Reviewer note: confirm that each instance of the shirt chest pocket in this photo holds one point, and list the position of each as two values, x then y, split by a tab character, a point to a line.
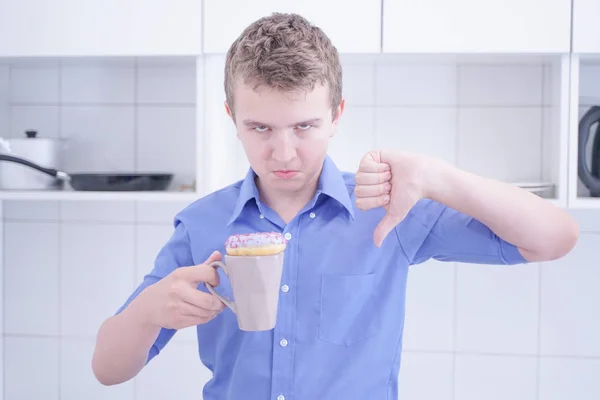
349	311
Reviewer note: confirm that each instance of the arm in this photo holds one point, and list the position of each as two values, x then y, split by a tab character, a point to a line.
126	341
537	228
479	209
129	340
123	344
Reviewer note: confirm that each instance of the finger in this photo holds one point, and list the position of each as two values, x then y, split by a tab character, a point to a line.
188	321
366	203
201	299
373	190
215	256
372	178
371	162
385	226
201	273
190	310
372	166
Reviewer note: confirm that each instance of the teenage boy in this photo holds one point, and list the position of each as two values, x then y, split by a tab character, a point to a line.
351	238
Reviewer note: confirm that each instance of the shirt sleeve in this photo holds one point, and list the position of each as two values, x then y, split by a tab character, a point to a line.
456	237
174	254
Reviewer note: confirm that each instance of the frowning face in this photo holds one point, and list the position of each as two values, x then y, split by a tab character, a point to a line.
285	135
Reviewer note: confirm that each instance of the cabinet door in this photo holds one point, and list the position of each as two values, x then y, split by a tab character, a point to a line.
586	26
477	26
354	29
100	27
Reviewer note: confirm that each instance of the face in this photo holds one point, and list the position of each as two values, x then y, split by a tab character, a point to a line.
285	135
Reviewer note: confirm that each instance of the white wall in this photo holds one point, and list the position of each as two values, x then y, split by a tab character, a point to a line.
113	114
473	332
73	264
4	98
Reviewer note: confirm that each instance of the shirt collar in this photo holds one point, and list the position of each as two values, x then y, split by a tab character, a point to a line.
331	183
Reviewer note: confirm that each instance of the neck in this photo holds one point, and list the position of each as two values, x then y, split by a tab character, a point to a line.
287	204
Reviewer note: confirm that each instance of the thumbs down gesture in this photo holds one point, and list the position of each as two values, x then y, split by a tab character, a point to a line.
392	180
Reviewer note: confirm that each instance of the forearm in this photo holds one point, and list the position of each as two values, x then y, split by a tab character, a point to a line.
122	344
540	230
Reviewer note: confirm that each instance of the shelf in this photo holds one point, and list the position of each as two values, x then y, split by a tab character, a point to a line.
557	203
111	115
585	203
40	195
501	116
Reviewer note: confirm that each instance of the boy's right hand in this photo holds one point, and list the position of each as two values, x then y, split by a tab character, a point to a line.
175	301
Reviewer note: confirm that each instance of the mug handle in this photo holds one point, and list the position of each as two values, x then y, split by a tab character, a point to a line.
211	289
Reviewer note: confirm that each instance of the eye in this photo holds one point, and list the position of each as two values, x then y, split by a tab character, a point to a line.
261	128
304	127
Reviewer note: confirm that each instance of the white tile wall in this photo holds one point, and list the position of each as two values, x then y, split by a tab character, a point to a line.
31	367
569	378
4	99
32	285
135	113
472	332
483	309
502	143
426	376
495	377
430	308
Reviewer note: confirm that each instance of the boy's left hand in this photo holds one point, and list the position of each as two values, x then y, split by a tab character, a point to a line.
392	180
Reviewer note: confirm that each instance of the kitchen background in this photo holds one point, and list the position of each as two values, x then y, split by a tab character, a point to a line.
472	331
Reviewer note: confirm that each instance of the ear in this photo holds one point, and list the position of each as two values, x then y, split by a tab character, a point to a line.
230	113
338	114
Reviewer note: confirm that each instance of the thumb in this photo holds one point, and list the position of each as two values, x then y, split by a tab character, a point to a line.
385	226
371	163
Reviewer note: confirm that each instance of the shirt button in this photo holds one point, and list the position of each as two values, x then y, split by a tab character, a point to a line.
285	288
312	215
288	236
283	343
262	216
281	397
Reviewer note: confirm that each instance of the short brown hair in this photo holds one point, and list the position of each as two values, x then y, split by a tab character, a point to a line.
284	52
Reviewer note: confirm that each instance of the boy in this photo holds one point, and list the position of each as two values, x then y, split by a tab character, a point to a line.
351	238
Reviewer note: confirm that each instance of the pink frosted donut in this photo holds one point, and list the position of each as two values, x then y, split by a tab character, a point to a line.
255	244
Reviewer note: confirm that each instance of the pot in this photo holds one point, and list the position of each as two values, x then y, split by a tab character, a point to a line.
42	151
97	181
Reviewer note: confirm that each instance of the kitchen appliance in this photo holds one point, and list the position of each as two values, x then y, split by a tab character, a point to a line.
589	123
97	181
42	151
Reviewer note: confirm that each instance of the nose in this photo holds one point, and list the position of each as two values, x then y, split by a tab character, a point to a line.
284	149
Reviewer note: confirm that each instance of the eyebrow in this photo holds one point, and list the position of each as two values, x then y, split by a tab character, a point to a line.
312	121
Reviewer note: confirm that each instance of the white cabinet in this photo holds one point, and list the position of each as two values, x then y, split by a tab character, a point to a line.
475	26
586	26
100	28
355	29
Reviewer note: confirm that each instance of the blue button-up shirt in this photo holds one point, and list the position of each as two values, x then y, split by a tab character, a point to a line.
341	304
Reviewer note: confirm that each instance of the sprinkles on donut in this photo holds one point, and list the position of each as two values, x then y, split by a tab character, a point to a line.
255	244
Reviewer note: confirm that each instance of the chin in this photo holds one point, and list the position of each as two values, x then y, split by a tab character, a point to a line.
288	184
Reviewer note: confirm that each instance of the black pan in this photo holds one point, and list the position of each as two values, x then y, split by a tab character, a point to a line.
113	182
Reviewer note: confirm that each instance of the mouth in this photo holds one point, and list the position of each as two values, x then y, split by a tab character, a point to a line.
286	173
